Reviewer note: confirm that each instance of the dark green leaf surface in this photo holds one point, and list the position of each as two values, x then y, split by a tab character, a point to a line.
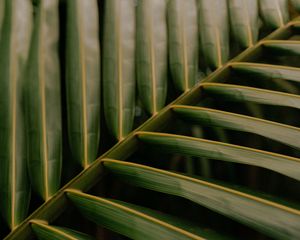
209	117
267	71
47	232
2	8
283	47
244	94
14	46
152	53
183	43
43	102
244	21
214	28
198	147
127	220
119	66
269	217
83	80
275	13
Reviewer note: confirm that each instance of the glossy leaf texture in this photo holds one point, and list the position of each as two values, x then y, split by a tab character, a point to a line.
83	79
198	147
152	53
244	94
285	134
43	100
131	221
274	219
275	13
214	31
244	21
14	47
119	66
183	43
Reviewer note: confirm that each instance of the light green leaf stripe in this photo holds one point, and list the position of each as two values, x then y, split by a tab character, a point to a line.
267	71
183	43
119	66
14	46
275	13
198	147
274	219
244	21
47	232
209	117
125	219
244	94
43	102
83	80
214	28
152	53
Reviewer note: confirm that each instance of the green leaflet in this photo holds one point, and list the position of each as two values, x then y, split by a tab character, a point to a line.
183	42
14	46
2	7
119	66
275	13
209	117
152	53
47	232
214	28
296	4
83	80
282	47
244	94
43	102
269	217
197	147
267	71
128	219
244	21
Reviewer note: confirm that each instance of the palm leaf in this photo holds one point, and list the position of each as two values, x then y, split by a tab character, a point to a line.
197	147
209	117
151	56
244	21
83	80
128	219
183	43
282	47
47	232
267	71
43	100
244	94
14	45
119	66
214	27
253	211
275	13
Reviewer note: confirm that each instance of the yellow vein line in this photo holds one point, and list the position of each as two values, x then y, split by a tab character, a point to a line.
279	13
186	72
83	85
246	12
43	105
152	60
120	73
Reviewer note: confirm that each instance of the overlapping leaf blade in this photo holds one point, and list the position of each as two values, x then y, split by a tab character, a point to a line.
280	47
183	42
83	80
119	66
209	117
244	21
14	47
275	13
43	102
214	27
129	220
198	147
48	232
269	217
152	54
